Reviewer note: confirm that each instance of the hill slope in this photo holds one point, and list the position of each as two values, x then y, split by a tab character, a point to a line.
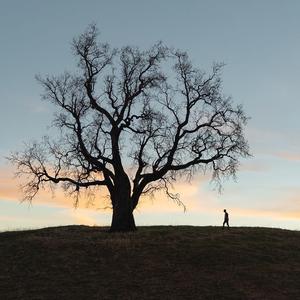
79	262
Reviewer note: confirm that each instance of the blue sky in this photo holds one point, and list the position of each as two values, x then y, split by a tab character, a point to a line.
259	41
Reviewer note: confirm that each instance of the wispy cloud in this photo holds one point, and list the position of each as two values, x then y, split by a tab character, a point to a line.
291	156
87	216
10	190
8	186
254	166
198	196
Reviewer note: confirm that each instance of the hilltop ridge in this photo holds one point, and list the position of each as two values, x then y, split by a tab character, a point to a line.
159	262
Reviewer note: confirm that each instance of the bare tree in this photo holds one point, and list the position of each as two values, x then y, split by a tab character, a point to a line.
150	112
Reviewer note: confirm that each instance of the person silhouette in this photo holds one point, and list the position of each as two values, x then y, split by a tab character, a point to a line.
226	219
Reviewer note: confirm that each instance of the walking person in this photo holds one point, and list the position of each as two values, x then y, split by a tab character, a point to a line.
226	219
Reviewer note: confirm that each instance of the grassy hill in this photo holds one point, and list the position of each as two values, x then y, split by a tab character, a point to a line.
80	262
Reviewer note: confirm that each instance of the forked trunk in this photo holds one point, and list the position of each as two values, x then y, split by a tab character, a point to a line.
122	219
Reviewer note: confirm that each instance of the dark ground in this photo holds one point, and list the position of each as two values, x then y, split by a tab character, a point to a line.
80	262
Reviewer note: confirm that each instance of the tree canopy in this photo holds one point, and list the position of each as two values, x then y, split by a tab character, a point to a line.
132	121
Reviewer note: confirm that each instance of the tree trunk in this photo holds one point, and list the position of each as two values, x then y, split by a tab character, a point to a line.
122	219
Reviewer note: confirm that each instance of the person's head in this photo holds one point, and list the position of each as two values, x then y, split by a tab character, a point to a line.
224	210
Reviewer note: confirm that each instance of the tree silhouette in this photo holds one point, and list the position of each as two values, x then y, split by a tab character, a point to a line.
133	121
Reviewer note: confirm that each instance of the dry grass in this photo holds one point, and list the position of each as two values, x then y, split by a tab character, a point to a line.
79	262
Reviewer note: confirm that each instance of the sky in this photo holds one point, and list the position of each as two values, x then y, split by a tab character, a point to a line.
259	42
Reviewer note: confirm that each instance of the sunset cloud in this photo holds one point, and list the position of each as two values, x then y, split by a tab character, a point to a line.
191	193
10	190
254	166
89	217
203	204
288	156
8	185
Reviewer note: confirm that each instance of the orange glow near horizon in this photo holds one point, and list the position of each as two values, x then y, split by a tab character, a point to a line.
195	196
